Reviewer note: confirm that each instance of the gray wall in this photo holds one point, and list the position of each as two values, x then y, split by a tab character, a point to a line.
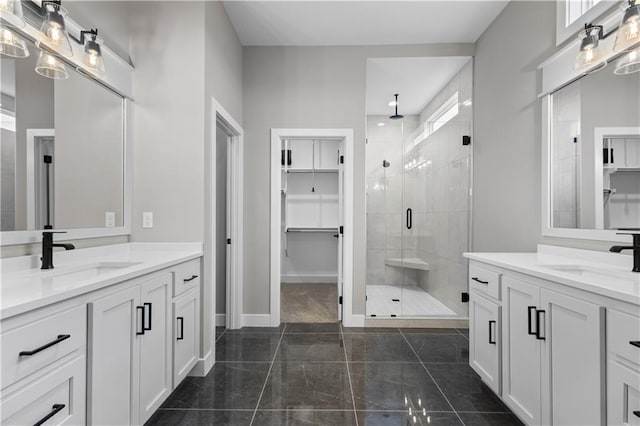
306	87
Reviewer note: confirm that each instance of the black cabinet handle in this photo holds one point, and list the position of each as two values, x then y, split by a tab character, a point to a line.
54	410
539	336
181	328
636	413
138	309
492	340
635	343
282	157
530	310
145	328
193	277
409	218
288	157
478	280
60	338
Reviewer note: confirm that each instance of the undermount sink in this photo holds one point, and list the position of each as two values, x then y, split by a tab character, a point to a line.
590	272
90	270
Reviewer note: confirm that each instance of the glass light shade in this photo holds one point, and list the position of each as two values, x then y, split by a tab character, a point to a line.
629	63
11	12
54	30
590	56
93	55
51	67
629	30
12	45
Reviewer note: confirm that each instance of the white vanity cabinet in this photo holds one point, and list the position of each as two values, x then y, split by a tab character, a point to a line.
186	323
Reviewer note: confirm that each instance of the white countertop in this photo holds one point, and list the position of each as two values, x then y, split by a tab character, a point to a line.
25	287
608	274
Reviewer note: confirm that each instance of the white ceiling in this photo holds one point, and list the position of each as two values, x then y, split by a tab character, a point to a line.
416	80
339	23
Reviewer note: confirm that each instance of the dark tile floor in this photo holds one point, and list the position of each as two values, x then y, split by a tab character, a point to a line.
325	374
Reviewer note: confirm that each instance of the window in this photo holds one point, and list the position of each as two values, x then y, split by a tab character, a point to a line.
571	15
576	8
444	114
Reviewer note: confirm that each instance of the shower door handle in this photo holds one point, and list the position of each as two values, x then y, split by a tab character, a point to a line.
409	218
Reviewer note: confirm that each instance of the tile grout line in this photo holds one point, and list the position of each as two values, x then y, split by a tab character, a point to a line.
266	380
462	334
346	358
432	378
221	334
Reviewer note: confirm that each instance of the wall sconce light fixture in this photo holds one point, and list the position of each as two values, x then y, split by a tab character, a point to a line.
92	52
54	29
629	30
11	12
590	57
51	67
12	45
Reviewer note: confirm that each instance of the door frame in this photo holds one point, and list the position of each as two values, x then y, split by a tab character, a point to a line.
277	135
234	290
33	135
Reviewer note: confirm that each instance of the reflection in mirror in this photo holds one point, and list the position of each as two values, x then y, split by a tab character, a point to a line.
62	155
595	152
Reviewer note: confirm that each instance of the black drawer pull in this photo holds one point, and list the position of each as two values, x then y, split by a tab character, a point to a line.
478	280
492	340
531	310
282	157
145	328
409	218
539	335
54	410
60	338
288	157
181	328
635	343
193	277
636	413
138	308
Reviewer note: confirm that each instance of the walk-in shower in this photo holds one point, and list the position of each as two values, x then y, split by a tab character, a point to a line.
418	194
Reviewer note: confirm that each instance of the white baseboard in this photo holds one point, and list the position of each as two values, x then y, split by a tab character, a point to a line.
309	279
221	320
203	366
353	321
256	320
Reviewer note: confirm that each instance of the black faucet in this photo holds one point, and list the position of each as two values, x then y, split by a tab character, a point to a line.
47	248
635	247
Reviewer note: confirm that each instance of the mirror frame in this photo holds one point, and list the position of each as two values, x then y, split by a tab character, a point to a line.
118	79
558	72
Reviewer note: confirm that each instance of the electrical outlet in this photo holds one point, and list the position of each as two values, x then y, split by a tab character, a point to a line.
147	219
109	219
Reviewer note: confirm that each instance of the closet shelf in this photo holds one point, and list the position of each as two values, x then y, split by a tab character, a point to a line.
310	170
312	230
408	262
623	169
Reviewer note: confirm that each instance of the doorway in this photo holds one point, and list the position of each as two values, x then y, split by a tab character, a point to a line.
311	225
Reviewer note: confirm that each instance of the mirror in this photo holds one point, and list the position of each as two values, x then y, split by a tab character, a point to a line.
595	153
62	154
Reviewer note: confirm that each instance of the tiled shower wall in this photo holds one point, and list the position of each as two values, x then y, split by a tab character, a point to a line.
434	180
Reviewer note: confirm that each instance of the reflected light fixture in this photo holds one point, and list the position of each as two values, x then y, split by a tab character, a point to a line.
629	63
629	30
11	12
590	56
92	52
381	124
12	45
51	67
396	116
53	29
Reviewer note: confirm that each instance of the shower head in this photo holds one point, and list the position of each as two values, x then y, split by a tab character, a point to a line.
385	163
396	116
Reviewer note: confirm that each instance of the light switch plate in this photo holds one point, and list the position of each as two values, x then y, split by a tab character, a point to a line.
109	219
147	219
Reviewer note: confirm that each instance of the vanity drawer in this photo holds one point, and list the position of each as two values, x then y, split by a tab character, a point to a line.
186	277
35	345
622	329
484	281
58	397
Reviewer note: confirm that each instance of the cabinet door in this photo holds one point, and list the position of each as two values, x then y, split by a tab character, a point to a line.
113	361
521	354
326	154
572	361
623	395
302	153
484	340
155	345
186	325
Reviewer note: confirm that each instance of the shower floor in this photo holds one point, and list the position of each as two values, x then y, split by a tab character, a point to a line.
388	300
